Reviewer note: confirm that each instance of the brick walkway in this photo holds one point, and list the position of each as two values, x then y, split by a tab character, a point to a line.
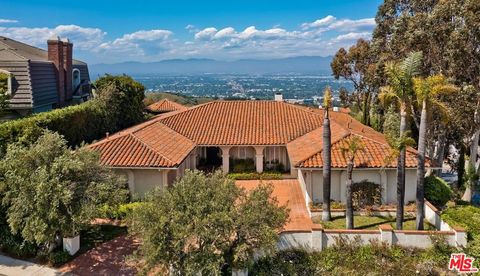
106	259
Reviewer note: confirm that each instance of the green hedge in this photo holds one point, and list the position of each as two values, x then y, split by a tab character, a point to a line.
110	112
468	217
120	212
437	191
254	176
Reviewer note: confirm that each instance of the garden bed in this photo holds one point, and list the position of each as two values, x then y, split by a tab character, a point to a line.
369	222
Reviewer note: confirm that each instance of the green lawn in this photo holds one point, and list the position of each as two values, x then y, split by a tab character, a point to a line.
369	222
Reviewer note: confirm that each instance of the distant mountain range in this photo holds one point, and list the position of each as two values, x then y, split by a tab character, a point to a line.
299	65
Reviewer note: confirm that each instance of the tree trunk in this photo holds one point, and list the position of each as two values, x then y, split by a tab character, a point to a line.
401	172
349	212
421	167
440	151
227	266
474	150
327	156
461	166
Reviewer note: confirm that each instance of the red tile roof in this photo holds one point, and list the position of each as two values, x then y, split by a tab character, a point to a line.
374	155
149	144
166	140
165	105
243	123
289	193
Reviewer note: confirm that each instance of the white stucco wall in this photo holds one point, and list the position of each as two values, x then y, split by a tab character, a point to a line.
141	181
386	178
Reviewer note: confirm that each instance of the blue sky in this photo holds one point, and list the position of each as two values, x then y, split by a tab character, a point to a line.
117	31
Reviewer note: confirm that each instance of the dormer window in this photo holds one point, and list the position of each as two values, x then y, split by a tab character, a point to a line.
5	82
76	80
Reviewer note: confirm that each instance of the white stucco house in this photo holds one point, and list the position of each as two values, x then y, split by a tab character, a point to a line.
268	133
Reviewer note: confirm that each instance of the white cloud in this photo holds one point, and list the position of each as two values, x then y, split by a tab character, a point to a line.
352	25
320	37
331	23
3	20
352	36
329	19
138	44
82	38
206	33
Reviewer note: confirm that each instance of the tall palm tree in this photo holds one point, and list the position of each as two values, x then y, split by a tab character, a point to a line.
400	88
426	91
349	152
326	154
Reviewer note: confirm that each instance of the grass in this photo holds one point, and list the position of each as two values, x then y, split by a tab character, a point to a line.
370	222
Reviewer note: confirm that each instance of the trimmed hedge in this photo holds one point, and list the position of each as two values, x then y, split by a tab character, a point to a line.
254	176
437	191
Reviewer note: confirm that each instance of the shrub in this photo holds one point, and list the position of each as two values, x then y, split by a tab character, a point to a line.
467	217
118	212
274	166
58	258
351	257
254	176
80	123
242	165
365	194
437	191
287	262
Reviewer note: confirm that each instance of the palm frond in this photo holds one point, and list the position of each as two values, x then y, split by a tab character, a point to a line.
411	65
327	97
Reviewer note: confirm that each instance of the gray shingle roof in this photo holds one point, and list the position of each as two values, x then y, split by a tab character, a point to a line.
12	50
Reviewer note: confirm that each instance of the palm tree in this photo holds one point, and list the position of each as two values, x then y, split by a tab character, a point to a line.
326	155
400	88
349	152
426	91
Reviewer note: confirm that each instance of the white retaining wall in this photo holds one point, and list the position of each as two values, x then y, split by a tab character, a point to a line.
319	238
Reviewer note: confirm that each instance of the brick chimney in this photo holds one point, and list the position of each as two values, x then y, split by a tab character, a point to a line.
55	55
67	65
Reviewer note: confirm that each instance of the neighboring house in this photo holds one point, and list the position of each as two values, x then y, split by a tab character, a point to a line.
164	106
40	80
154	153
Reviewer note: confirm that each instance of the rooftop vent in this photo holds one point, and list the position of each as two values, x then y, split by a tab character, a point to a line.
336	109
278	97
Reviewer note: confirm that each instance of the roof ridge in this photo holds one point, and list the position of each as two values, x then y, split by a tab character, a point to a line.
150	148
12	50
336	141
30	46
173	113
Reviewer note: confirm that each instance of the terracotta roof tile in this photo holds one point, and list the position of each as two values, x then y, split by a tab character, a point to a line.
168	138
289	193
375	155
152	145
165	105
243	123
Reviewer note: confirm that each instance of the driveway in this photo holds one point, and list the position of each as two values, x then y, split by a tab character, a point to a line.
14	267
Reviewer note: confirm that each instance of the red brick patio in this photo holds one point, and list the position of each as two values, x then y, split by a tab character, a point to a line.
106	259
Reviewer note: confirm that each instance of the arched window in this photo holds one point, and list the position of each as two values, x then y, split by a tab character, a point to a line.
6	82
75	78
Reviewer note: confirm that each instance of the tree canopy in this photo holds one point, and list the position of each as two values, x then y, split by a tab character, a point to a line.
49	191
206	223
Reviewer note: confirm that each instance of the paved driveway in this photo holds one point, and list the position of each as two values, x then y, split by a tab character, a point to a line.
14	267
